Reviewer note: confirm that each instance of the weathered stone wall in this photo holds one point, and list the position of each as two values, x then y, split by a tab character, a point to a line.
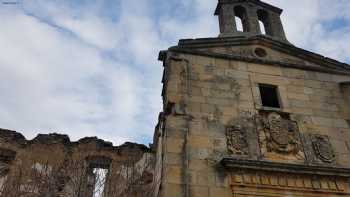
204	96
345	87
55	166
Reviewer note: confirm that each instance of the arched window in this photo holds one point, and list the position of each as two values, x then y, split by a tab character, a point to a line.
264	22
239	24
241	19
262	27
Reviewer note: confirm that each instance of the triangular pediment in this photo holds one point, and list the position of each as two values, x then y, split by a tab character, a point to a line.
263	50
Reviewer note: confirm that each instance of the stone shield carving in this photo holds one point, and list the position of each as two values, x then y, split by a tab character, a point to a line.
279	137
237	140
323	148
282	134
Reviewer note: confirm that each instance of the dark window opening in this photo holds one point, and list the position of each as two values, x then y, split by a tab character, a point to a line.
269	96
264	22
241	19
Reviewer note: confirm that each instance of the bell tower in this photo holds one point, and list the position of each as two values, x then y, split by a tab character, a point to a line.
255	16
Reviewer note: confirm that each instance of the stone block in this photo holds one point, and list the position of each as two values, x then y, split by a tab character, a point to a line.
196	91
202	61
222	64
220	191
208	108
176	133
198	164
199	153
194	107
300	97
344	160
174	145
203	178
219	144
302	111
221	178
296	82
235	74
313	84
199	142
339	146
324	77
246	95
199	191
244	82
328	122
264	69
246	105
242	66
173	174
269	79
299	103
294	73
173	190
197	99
228	111
340	123
296	89
220	101
175	122
173	159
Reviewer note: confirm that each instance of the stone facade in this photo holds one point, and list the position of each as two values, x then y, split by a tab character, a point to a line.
214	111
216	137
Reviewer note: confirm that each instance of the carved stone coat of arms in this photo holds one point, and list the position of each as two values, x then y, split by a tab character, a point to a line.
236	140
323	148
280	136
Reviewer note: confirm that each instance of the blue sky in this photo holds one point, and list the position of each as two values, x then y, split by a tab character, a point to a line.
89	67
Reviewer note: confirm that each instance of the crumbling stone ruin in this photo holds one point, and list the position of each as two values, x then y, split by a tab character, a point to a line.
52	165
245	114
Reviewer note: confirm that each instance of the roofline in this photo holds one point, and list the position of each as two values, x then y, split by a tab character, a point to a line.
265	41
189	46
257	60
258	2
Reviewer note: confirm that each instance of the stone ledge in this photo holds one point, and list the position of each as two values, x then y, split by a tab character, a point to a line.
232	163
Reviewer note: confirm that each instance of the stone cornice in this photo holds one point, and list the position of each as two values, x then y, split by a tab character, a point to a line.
327	65
260	61
232	163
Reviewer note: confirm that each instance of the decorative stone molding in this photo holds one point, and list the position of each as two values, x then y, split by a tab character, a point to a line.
263	178
288	183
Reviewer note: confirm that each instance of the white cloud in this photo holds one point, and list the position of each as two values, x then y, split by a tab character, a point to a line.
52	82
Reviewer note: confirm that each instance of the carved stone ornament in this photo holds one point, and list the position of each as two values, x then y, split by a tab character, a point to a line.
237	140
323	148
281	134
